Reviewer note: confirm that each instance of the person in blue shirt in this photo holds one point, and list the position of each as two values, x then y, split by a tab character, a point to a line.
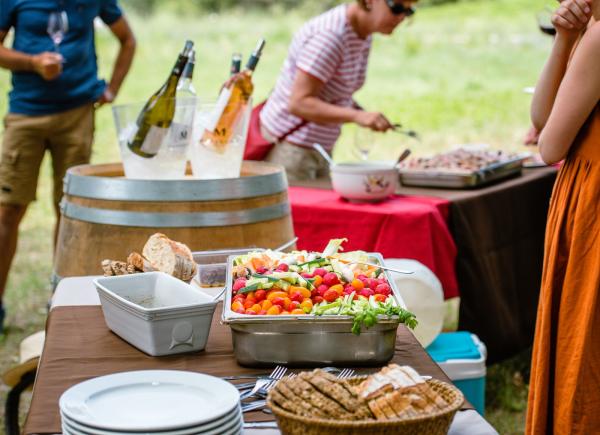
55	90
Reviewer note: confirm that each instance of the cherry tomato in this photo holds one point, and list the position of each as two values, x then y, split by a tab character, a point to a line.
318	299
274	295
331	295
318	280
306	305
274	310
241	311
383	289
278	301
240	297
372	283
250	312
330	279
338	288
283	267
366	292
262	270
262	312
348	289
306	275
286	303
380	297
236	306
294	305
358	284
320	272
239	283
322	289
297	311
296	296
260	295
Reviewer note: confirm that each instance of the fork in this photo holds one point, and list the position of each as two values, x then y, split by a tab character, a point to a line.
345	374
258	404
276	374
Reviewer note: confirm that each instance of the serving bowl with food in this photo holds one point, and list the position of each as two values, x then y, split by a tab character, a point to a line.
312	308
364	182
463	167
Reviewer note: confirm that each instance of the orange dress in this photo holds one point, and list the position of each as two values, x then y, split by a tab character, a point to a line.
564	395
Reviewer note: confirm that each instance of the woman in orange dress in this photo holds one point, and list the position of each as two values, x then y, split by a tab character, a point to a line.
564	395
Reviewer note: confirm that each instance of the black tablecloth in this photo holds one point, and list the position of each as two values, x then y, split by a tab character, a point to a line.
499	232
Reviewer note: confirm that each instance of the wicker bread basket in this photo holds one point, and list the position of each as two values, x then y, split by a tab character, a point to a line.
437	423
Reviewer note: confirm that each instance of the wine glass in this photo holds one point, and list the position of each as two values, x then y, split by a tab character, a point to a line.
364	142
58	25
544	20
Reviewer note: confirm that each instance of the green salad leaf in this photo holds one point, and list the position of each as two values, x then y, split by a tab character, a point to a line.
365	312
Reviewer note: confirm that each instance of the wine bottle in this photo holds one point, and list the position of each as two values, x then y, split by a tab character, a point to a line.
180	131
236	64
154	120
231	104
185	88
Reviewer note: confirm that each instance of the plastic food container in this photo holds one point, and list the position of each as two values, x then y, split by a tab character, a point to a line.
309	340
155	312
212	265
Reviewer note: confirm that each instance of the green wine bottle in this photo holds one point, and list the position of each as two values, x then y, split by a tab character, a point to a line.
154	120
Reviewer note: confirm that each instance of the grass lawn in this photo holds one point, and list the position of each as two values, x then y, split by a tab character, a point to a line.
455	74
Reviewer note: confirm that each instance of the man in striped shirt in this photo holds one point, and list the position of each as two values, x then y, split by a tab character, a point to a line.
326	65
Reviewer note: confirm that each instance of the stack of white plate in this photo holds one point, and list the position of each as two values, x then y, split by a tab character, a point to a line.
165	402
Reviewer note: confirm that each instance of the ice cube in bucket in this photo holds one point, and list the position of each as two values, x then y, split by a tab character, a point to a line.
208	163
170	161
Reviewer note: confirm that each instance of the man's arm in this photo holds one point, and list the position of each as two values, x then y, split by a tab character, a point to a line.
123	33
46	64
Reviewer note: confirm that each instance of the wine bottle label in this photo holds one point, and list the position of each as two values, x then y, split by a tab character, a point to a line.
179	135
154	140
222	102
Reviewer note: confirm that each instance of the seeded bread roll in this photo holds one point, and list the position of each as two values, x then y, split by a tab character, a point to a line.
106	268
171	257
137	261
119	268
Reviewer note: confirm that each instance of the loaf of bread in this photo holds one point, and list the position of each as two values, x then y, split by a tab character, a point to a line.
171	257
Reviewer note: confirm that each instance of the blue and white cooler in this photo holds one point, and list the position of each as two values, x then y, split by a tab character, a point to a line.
462	356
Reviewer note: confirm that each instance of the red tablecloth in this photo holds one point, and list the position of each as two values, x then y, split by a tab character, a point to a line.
401	227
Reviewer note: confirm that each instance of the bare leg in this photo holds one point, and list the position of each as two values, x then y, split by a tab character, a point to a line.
10	218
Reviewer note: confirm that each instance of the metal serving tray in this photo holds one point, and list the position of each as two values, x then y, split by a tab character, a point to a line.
308	340
457	180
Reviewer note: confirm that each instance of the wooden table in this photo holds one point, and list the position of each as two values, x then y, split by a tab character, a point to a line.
86	348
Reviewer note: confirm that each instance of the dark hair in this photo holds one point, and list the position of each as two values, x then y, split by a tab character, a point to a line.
363	4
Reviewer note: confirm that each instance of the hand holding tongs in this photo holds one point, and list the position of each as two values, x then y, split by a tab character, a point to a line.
397	128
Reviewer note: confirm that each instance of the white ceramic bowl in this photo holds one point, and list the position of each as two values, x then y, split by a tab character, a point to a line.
156	313
364	182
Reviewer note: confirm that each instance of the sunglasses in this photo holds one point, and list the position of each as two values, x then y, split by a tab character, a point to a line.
399	8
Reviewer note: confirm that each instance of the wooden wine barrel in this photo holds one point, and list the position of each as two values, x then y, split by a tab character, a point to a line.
104	215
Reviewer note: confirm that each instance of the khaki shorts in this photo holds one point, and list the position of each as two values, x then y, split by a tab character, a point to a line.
67	135
300	163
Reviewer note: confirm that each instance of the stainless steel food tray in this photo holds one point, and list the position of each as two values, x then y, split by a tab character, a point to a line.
308	340
456	180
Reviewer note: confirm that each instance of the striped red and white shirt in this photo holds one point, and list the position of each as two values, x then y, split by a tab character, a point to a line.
328	48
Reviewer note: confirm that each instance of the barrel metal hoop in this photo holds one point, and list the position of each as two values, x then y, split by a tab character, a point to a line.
173	220
120	189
